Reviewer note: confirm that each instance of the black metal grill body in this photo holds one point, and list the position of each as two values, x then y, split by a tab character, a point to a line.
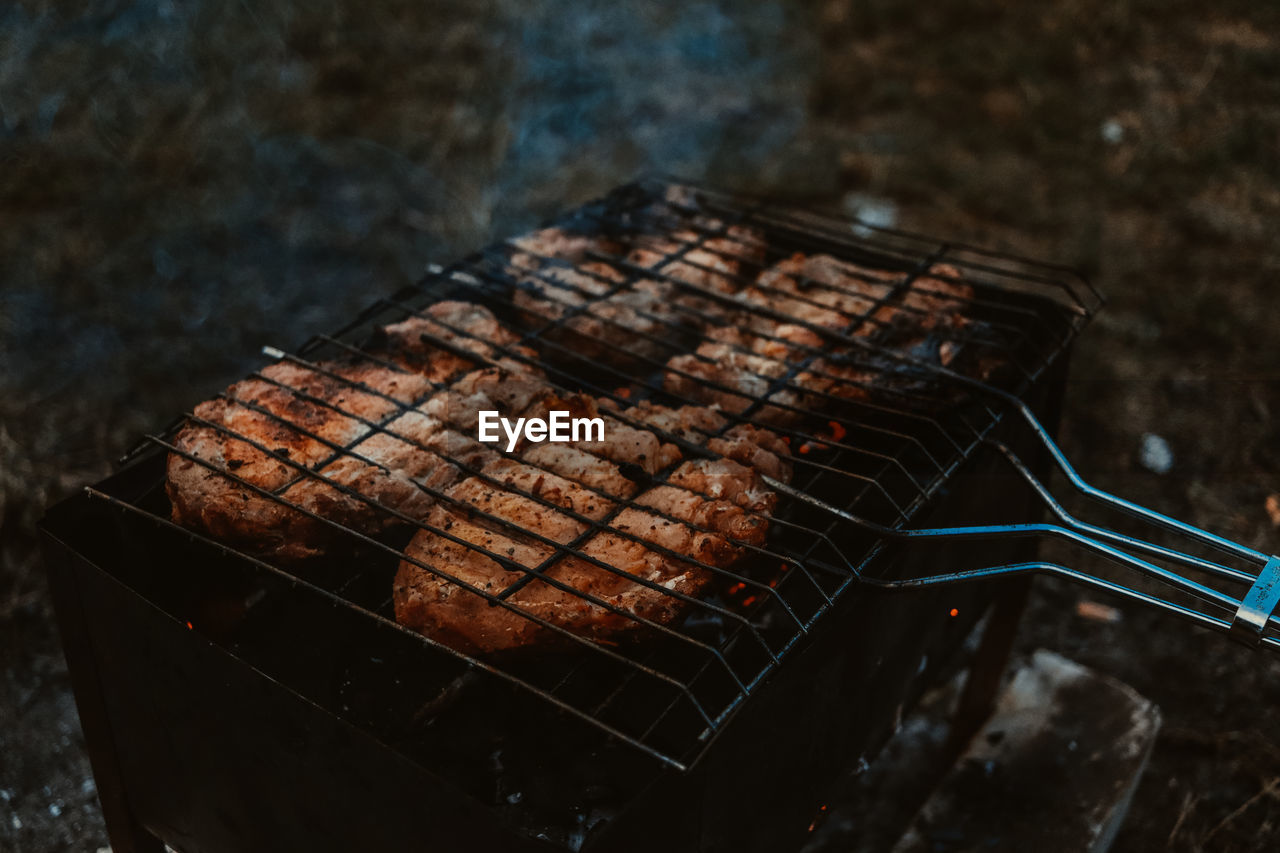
210	753
229	705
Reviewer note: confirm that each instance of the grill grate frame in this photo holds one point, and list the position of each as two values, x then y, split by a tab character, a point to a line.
910	440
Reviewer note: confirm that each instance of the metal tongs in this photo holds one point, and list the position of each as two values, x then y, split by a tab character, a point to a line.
1248	617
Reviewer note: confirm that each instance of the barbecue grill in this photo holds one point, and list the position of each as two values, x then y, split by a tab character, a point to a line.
232	702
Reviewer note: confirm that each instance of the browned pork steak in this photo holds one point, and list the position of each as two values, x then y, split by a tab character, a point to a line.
616	320
624	575
625	302
797	310
295	432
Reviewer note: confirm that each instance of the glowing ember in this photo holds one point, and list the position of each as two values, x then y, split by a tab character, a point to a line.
955	611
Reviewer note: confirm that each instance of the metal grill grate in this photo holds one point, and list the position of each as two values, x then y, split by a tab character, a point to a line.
879	437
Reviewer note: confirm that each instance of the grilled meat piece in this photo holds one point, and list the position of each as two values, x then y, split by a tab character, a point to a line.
612	320
710	258
756	448
414	454
729	481
736	369
823	291
250	432
814	377
627	319
734	380
704	512
527	396
688	423
783	358
340	419
426	344
561	285
528	478
690	245
578	465
567	245
635	568
455	614
935	300
743	443
819	290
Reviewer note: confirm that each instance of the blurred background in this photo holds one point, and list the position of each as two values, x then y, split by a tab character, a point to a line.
181	183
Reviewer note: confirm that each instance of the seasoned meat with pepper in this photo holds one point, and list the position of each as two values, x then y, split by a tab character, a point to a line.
826	292
275	431
744	443
664	543
712	258
819	290
773	379
567	245
792	352
596	313
736	381
608	583
684	243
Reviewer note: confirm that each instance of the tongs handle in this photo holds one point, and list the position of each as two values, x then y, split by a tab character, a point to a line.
1173	524
1251	614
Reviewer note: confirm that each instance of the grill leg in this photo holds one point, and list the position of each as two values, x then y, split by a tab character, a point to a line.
978	699
123	829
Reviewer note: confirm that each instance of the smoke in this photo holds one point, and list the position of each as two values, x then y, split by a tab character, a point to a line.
608	90
188	181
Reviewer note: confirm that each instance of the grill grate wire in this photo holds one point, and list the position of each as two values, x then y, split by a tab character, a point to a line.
901	441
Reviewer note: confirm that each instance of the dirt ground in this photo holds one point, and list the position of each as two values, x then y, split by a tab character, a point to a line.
183	183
